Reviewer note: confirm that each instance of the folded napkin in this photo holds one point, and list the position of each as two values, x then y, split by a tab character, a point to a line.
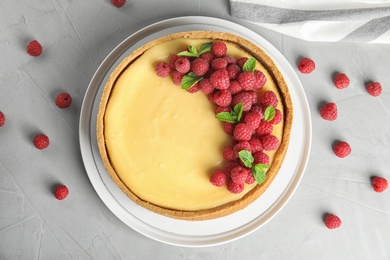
320	20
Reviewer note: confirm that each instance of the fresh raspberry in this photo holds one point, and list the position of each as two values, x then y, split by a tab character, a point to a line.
254	96
205	86
260	79
182	65
277	118
243	97
269	99
341	81
177	77
220	79
332	221
208	56
219	63
220	109
258	109
242	132
374	89
260	157
172	59
162	69
306	65
269	142
252	120
118	3
235	87
342	149
230	59
63	100
265	128
235	187
218	178
2	119
229	166
329	111
219	49
228	153
243	145
247	80
241	61
233	71
379	184
195	88
239	174
228	128
34	48
255	144
200	67
41	141
222	98
250	179
61	192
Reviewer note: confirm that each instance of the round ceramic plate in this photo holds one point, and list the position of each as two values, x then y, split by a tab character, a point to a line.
195	233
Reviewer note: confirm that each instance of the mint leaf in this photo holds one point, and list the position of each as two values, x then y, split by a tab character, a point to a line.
249	65
189	80
192	52
238	110
205	47
259	172
246	157
227	117
269	113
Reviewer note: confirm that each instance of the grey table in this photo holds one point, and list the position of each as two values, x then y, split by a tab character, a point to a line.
76	37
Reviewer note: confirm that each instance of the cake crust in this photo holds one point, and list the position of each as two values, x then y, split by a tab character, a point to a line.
253	194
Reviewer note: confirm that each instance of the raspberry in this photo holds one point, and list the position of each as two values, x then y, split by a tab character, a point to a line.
260	79
246	80
233	71
199	67
219	63
229	166
205	86
34	48
379	184
219	49
374	89
269	142
241	61
269	99
208	56
228	128
255	144
63	100
243	97
182	65
222	98
230	59
2	119
228	153
220	79
239	174
243	145
61	192
118	3
235	187
341	81
254	96
277	118
332	221
265	128
177	77
222	109
260	157
195	88
172	59
41	141
162	69
234	87
329	111
258	109
306	65
250	179
242	132
342	149
252	120
218	178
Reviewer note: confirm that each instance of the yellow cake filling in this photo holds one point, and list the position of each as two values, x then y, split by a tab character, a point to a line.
164	142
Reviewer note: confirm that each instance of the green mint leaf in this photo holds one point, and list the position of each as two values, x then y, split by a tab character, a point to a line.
249	65
269	113
227	117
246	157
192	52
189	80
205	47
238	110
259	172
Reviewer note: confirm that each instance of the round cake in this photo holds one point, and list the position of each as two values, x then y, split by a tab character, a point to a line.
190	150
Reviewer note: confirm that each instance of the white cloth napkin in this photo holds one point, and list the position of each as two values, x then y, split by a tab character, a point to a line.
320	20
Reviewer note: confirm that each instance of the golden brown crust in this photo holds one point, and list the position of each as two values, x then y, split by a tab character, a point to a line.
252	195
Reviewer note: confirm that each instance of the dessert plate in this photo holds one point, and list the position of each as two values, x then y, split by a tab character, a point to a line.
208	232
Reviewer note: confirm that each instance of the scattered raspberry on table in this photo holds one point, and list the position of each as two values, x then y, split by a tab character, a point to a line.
342	149
118	3
41	141
61	192
34	48
63	100
332	221
379	184
374	89
329	111
2	119
306	65
341	81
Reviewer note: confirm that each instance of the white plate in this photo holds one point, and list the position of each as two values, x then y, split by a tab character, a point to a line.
195	233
